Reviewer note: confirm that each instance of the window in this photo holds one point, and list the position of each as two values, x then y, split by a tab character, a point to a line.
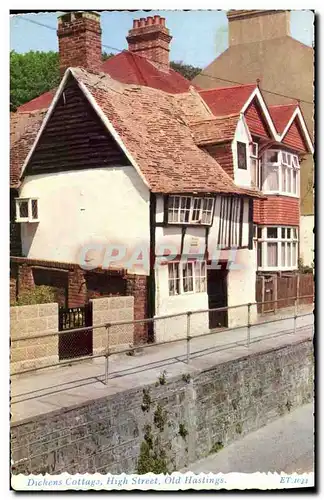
231	211
281	173
187	277
241	155
254	164
190	210
27	210
277	247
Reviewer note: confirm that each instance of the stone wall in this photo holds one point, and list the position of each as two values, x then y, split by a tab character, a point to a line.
26	322
112	309
212	407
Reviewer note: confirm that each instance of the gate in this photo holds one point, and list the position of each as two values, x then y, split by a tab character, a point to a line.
75	344
269	305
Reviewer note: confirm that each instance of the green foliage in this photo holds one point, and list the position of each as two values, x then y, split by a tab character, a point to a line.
160	418
305	269
39	295
146	400
183	431
32	74
185	70
186	377
162	378
216	447
238	428
107	55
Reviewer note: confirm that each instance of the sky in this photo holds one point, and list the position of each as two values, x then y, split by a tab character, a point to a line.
198	36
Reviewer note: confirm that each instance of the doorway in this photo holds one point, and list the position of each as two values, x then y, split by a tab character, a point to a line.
217	295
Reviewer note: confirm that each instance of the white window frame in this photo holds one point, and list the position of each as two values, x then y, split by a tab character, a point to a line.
197	276
254	156
282	166
282	241
203	206
29	217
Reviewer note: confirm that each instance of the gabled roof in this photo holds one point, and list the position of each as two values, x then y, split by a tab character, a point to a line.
224	101
127	67
148	125
215	130
281	115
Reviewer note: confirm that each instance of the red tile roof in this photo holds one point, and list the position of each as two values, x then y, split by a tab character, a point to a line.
127	67
151	126
281	115
227	100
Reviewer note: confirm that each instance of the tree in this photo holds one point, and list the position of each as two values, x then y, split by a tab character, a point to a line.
186	70
33	73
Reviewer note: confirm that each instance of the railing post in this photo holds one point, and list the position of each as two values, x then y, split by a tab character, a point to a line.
249	325
107	355
188	336
295	317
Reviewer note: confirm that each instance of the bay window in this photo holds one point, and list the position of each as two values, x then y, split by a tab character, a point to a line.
190	210
280	173
277	247
187	277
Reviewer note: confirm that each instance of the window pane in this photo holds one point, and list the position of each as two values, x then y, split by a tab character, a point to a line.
196	210
272	178
273	156
254	171
272	249
288	233
289	158
254	148
283	254
295	233
283	232
241	155
259	232
174	281
283	178
34	209
284	158
294	181
289	172
259	255
23	209
294	255
187	272
288	254
272	232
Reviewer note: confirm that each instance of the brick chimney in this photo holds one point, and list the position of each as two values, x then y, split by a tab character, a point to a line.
151	39
79	37
246	26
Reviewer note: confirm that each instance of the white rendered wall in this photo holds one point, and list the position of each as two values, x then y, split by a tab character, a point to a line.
307	243
241	177
102	206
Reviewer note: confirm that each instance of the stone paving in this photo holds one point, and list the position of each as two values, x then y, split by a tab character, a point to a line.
66	386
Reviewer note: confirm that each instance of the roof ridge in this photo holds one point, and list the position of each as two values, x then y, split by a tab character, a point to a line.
230	87
282	105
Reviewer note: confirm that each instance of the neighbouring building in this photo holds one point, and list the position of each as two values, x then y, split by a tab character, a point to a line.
154	186
261	47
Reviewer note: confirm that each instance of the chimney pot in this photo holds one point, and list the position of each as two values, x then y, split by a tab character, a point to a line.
135	23
152	41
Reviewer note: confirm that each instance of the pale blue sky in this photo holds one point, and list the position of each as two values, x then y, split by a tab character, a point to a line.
198	36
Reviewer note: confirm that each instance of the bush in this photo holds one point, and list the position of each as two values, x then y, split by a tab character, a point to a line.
39	295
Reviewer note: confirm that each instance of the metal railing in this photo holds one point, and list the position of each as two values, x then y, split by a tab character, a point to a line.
107	352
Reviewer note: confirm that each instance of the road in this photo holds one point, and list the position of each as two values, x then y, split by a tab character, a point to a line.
285	445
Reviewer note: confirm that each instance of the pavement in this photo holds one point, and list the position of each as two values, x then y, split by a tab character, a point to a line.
285	445
50	390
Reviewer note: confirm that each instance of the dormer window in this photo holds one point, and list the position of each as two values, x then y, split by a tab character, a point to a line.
190	210
27	210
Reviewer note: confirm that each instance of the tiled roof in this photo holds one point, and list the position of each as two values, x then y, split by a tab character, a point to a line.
215	130
127	67
23	131
281	115
151	125
227	100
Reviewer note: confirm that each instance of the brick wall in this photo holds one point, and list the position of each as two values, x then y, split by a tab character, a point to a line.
221	404
28	321
137	287
279	210
104	285
112	309
77	291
